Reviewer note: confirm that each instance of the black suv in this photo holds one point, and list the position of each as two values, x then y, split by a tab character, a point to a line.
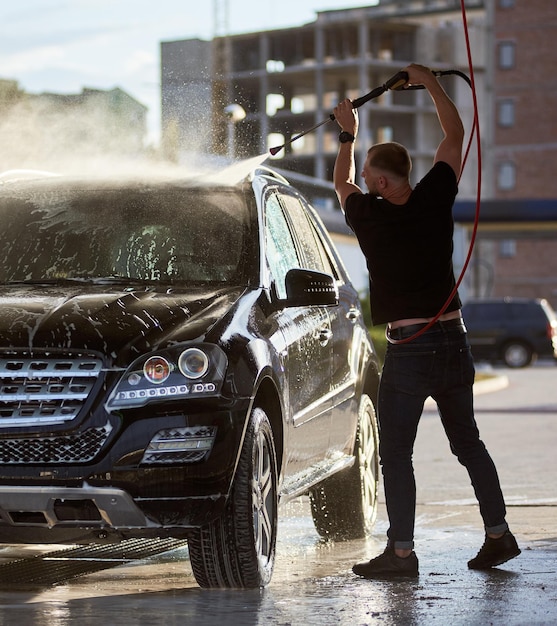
512	330
176	358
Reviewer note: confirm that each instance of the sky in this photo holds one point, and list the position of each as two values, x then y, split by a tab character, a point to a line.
61	46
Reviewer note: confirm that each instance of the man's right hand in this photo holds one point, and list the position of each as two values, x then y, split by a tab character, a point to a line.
347	117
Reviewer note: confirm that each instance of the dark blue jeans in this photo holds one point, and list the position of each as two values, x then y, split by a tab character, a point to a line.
439	364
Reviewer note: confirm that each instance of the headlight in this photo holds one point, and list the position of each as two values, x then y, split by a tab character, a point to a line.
176	373
193	363
156	369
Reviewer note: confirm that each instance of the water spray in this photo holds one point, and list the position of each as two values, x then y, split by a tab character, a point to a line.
396	83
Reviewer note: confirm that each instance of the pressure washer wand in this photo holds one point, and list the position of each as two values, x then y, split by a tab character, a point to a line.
277	149
395	82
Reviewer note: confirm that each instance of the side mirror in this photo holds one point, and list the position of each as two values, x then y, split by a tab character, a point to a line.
308	287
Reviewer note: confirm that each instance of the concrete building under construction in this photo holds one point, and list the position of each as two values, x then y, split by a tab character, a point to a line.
288	80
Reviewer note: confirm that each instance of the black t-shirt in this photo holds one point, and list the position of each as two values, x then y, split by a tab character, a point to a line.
409	247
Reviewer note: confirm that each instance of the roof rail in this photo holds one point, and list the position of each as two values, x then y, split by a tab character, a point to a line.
271	173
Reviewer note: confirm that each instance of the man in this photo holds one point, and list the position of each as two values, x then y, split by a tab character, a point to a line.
406	236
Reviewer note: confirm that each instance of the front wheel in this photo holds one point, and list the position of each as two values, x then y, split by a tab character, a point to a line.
345	505
517	354
238	549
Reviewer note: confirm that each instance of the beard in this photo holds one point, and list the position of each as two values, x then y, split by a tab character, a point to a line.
372	188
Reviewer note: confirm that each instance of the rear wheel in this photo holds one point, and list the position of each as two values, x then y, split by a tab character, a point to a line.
517	354
238	549
345	505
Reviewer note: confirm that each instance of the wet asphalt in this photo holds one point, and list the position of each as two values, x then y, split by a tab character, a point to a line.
313	583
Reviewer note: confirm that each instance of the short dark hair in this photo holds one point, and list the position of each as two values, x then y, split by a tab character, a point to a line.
392	157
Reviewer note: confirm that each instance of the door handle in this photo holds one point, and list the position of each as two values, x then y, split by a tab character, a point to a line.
324	335
353	315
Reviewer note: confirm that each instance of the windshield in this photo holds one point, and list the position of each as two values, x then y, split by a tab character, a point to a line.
163	233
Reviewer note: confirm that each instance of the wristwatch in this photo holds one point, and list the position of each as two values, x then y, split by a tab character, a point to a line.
346	137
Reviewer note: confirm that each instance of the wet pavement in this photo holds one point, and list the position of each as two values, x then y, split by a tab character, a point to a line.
313	583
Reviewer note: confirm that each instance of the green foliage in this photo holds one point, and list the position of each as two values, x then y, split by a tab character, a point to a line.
379	341
377	332
366	308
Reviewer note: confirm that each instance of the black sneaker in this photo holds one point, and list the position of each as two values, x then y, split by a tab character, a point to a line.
388	565
495	551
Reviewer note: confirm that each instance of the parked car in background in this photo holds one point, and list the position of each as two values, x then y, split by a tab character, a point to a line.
178	358
514	331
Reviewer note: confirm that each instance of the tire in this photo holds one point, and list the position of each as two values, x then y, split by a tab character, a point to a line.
517	354
238	549
345	506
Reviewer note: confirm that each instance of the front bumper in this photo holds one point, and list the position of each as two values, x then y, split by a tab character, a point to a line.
94	515
139	484
50	506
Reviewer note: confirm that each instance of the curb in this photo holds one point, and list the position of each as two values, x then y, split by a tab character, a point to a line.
493	383
488	385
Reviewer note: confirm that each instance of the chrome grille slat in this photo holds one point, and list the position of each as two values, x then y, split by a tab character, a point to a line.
40	390
45	390
46	367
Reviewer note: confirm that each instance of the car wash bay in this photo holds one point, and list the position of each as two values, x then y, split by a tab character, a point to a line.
140	583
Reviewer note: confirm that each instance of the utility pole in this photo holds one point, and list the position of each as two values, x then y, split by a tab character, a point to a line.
220	72
220	18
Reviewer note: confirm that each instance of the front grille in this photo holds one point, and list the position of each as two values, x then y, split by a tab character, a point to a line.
78	448
45	390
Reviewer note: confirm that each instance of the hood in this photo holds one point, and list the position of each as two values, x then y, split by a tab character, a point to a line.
118	324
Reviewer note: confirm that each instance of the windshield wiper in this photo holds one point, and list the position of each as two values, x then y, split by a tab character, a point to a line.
95	280
116	279
44	281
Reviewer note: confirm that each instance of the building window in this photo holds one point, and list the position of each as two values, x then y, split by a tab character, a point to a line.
507	248
506	178
275	101
507	55
506	4
273	66
505	113
385	134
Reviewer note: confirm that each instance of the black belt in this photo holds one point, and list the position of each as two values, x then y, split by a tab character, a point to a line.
407	331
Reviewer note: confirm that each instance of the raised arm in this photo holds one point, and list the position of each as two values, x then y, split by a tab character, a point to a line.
450	148
344	173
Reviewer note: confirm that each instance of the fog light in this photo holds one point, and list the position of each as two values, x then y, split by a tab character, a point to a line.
180	445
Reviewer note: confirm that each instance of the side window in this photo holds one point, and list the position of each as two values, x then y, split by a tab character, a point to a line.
529	311
315	255
281	251
494	312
